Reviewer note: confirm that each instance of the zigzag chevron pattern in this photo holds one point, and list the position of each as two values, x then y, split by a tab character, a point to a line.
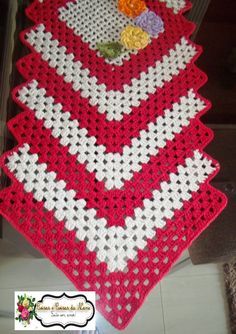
109	179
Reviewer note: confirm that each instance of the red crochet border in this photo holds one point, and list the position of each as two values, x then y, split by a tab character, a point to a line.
46	250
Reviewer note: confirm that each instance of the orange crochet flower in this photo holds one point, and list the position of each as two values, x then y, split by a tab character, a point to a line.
132	8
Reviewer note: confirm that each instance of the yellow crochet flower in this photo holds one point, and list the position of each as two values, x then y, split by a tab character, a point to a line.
134	38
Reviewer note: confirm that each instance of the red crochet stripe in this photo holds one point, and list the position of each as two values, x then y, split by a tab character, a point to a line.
117	133
112	77
31	223
114	203
48	235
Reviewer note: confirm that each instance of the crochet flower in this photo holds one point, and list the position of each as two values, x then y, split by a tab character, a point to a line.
150	22
132	8
134	38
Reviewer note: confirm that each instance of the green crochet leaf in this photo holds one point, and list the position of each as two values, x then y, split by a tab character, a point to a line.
110	50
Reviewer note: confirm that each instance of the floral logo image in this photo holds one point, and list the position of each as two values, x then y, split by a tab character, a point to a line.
25	309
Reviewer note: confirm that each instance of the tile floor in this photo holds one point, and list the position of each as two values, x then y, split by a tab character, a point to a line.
189	300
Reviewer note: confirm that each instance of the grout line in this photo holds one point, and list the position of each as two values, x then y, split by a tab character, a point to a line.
162	307
181	262
180	265
173	276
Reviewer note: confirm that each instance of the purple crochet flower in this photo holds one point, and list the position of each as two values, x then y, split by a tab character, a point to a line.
150	22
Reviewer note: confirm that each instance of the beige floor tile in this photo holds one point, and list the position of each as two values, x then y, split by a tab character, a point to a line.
29	272
189	269
184	267
194	304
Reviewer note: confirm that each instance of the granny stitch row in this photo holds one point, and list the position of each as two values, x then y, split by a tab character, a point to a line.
114	103
116	244
109	178
112	168
96	22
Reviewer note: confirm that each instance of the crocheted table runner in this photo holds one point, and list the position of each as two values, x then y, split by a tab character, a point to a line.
109	178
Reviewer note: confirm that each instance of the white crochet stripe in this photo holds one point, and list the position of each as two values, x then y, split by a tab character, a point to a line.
116	244
175	5
111	102
96	21
112	168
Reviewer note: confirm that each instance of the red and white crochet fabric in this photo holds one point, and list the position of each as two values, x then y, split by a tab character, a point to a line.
109	179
